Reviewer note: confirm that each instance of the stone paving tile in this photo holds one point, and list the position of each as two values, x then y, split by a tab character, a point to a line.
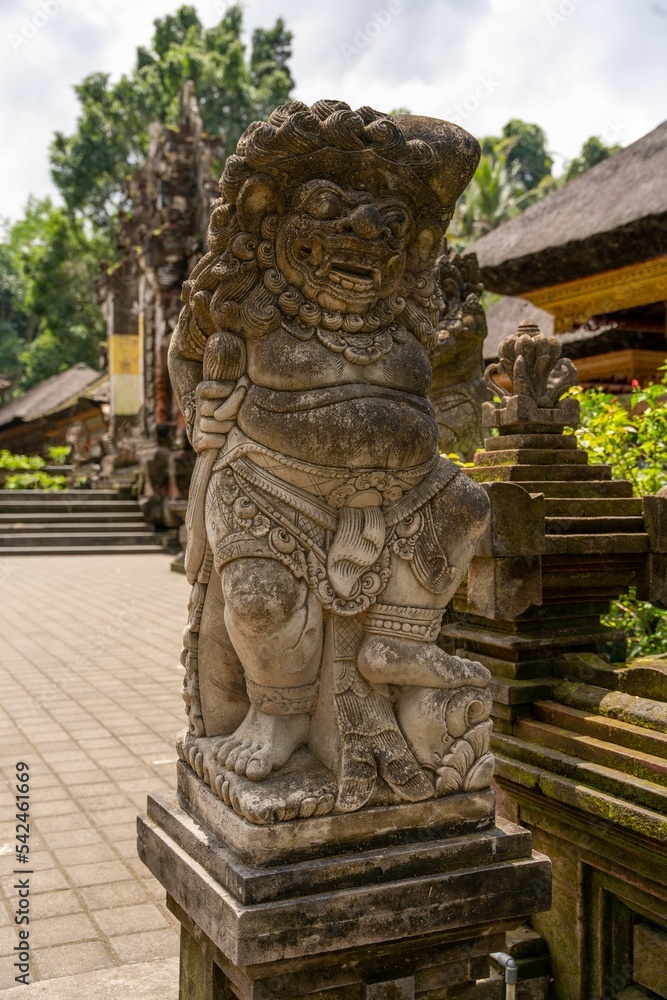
89	669
82	956
146	945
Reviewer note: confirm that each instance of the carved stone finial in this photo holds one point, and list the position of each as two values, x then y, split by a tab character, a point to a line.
530	377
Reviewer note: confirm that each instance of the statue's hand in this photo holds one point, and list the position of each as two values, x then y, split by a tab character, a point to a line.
217	406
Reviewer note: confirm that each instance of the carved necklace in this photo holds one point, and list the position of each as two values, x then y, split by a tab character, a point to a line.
357	348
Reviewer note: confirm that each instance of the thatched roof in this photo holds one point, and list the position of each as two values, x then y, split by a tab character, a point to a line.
612	215
48	396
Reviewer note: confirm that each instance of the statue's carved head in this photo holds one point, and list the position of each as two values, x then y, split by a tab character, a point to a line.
329	218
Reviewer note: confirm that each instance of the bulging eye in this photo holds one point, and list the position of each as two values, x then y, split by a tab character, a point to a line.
324	205
396	221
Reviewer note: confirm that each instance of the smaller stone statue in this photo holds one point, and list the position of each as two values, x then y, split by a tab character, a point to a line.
458	389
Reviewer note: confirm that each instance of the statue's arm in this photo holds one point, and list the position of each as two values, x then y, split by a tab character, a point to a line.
205	373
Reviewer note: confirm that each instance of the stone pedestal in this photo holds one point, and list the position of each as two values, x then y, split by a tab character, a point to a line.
391	903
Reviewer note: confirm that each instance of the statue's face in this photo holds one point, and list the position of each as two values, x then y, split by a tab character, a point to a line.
344	249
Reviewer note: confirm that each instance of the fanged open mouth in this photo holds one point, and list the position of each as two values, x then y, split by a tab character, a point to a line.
349	275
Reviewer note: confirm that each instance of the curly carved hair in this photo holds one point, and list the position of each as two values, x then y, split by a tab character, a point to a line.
237	286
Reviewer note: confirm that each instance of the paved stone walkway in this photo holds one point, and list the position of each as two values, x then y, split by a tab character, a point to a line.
90	699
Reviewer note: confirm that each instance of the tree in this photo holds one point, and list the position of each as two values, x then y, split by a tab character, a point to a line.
48	265
593	151
90	166
524	147
491	198
14	322
514	172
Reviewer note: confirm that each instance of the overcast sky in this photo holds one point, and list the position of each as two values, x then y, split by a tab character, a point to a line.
577	67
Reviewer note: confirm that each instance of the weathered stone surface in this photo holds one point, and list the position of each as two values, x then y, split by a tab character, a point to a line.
612	730
516	525
333	835
318	588
396	989
273	843
504	587
655	518
458	388
419	854
334	918
650	958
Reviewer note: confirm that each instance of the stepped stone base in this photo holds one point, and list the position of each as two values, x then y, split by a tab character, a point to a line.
362	918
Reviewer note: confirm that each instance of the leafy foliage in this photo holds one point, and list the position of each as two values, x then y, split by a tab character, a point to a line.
631	441
27	472
593	151
524	145
35	481
11	461
514	172
90	166
491	198
646	626
48	265
58	453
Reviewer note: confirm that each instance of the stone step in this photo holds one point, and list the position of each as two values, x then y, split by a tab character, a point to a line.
530	456
30	495
75	527
637	763
614	507
610	730
80	550
551	442
66	517
578	797
605	779
39	505
618	705
604	490
587	525
68	540
540	474
598	545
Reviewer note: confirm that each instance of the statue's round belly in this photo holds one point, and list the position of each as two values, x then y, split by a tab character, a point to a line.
362	426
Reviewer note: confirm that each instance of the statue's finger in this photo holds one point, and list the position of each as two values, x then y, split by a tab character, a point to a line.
231	406
207	407
205	441
207	425
215	390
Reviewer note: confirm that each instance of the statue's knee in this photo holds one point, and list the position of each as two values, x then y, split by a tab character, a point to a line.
261	595
465	503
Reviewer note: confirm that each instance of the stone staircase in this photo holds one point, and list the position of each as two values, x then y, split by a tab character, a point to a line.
73	522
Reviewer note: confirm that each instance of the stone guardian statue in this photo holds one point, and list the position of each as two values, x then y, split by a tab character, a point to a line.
326	534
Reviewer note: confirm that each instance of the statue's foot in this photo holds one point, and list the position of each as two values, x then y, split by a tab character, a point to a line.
263	743
402	661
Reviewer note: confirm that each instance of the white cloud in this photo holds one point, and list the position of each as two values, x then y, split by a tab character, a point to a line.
577	67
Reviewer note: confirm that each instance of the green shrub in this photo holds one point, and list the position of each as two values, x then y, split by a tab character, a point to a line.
10	461
630	440
58	454
35	481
